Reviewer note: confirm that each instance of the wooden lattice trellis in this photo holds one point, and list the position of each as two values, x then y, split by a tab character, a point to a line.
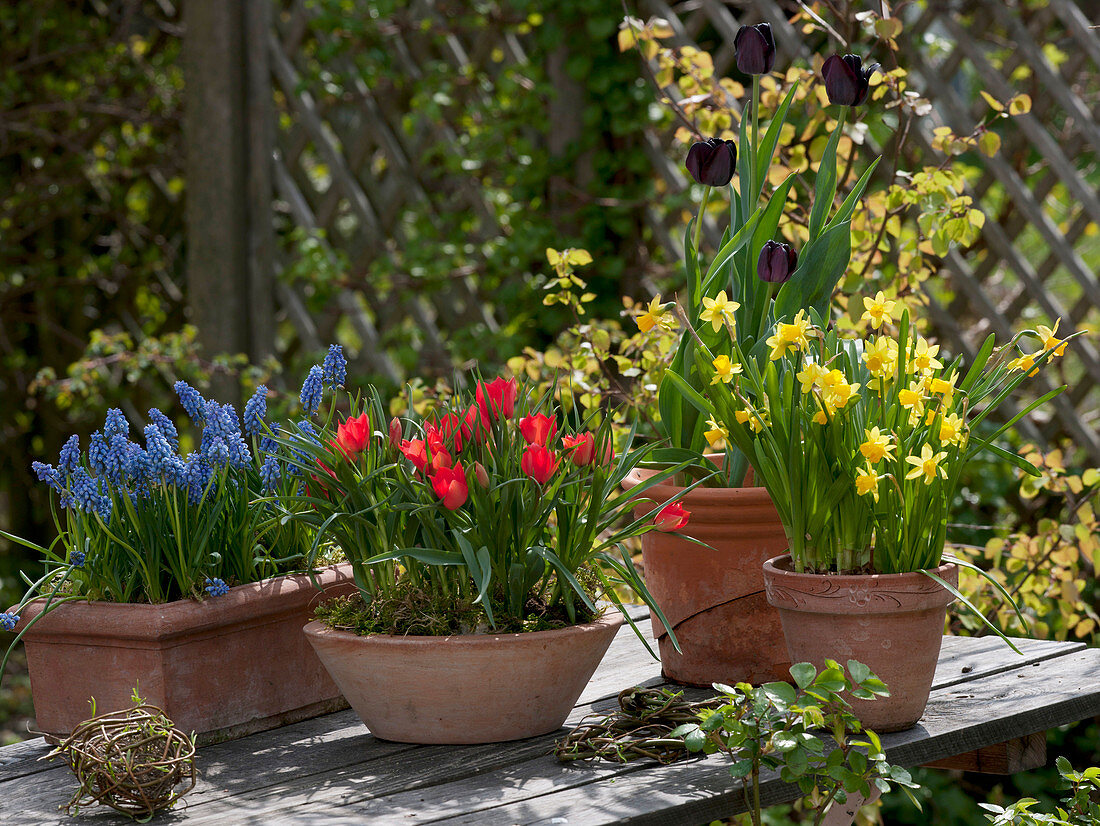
997	285
372	178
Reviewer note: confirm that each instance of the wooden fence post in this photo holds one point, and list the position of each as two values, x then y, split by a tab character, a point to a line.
228	137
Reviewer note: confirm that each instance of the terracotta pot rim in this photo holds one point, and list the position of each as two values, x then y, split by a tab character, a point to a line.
699	496
776	567
317	628
252	602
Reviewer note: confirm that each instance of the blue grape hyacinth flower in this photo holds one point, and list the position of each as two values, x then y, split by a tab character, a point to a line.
8	621
255	411
69	460
216	587
311	391
334	370
192	401
166	426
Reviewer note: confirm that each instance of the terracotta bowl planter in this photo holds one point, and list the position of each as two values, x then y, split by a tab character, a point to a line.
892	623
224	667
714	597
477	688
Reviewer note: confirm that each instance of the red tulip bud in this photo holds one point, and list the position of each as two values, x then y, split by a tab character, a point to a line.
481	474
395	433
671	517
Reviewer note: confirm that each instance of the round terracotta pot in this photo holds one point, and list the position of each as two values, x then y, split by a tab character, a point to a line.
714	597
892	623
476	688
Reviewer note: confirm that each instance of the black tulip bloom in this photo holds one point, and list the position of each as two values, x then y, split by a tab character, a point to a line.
755	49
777	263
847	80
712	162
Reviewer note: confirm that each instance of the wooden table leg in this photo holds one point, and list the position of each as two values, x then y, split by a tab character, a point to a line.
844	814
1018	755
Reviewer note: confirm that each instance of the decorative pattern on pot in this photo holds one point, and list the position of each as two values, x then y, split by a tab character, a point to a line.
892	623
714	597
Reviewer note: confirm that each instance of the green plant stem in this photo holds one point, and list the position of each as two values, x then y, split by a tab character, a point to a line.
699	219
755	142
756	757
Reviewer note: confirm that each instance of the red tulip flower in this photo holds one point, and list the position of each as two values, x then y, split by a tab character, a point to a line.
582	449
671	517
395	433
538	429
496	399
454	431
353	436
441	459
416	452
539	462
449	484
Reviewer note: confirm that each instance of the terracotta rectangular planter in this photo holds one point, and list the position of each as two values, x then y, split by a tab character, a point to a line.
224	667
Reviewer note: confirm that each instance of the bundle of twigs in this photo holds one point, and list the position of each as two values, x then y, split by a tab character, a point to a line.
132	761
638	730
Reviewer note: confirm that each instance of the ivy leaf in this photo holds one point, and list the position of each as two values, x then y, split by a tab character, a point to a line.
803	674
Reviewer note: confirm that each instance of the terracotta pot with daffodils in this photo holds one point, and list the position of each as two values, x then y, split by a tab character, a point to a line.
861	444
708	578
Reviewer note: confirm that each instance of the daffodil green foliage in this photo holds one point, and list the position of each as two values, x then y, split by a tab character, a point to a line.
778	727
729	300
861	442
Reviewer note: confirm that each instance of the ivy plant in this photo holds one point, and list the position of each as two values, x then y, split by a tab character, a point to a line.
803	731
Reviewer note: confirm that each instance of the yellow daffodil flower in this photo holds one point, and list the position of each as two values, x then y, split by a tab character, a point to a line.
1024	363
655	316
878	310
881	356
820	417
724	370
953	430
1050	340
716	433
812	374
912	397
877	447
924	358
943	387
839	394
745	417
867	482
718	311
790	336
926	465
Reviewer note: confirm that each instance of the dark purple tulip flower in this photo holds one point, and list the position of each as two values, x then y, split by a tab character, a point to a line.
777	263
755	49
712	162
847	80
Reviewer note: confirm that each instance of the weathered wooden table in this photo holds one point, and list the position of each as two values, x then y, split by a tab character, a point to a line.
988	709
